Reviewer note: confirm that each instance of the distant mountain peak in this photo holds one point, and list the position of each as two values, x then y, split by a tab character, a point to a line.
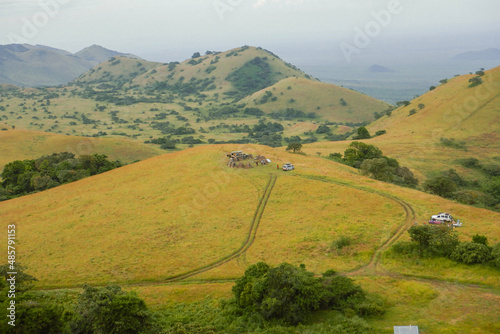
380	69
97	53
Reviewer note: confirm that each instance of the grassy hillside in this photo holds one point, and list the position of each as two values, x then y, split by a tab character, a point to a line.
453	111
333	103
216	68
22	144
187	217
119	69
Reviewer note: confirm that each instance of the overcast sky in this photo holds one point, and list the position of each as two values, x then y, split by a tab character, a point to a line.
166	30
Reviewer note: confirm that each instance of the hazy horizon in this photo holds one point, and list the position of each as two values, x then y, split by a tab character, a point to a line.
321	37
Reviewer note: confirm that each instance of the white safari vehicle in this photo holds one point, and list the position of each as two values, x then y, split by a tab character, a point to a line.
442	216
288	166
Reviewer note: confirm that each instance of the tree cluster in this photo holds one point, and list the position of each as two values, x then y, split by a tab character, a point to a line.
442	241
373	163
24	177
253	76
288	294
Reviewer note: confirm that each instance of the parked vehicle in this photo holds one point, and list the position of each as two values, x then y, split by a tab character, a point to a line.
442	216
288	166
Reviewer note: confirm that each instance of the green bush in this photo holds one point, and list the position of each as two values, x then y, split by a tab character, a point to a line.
362	133
110	310
434	240
480	239
288	294
471	252
453	143
341	242
440	185
495	255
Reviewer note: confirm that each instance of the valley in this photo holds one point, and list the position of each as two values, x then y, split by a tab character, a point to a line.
179	227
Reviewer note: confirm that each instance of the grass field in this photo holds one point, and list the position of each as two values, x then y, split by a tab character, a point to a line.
142	224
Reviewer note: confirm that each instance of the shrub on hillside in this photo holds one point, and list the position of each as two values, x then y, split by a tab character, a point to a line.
289	294
453	143
495	255
434	240
362	133
341	242
471	253
440	185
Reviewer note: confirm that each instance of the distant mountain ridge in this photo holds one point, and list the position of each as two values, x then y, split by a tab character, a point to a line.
486	54
39	65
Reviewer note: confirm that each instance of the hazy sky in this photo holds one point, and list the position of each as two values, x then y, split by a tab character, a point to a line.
172	30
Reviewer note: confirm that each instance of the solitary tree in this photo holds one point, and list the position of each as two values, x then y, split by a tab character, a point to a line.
363	133
296	147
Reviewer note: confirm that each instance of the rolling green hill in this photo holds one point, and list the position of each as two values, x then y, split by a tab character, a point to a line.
256	68
331	102
453	121
183	225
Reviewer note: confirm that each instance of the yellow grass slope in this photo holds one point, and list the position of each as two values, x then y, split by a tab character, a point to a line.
176	213
323	99
452	110
24	144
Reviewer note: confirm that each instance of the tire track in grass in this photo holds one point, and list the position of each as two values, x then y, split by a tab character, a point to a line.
252	233
250	238
409	213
